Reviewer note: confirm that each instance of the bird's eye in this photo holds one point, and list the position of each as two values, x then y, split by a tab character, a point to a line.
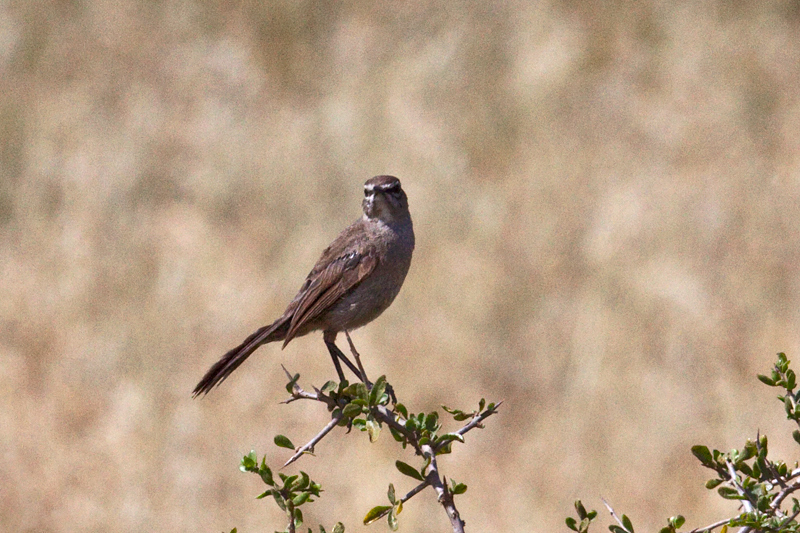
367	192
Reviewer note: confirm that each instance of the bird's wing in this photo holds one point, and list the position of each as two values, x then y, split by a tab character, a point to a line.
330	284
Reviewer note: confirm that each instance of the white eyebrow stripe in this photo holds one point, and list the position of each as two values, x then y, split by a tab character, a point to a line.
382	187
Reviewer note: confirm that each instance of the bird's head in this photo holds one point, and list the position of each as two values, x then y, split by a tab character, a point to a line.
384	199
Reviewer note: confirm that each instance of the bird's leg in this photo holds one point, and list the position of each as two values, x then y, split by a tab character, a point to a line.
331	348
357	356
336	355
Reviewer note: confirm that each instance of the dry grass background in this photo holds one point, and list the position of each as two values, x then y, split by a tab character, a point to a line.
606	197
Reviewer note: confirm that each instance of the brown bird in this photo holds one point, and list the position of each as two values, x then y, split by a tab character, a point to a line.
355	280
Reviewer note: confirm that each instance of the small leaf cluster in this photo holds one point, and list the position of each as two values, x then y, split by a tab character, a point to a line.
761	484
584	518
418	430
360	401
392	510
754	481
289	494
460	416
457	488
367	406
423	429
785	378
758	521
674	523
353	403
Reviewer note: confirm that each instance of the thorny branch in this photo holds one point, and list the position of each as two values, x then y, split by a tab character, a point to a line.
309	447
613	514
444	496
711	527
747	503
397	422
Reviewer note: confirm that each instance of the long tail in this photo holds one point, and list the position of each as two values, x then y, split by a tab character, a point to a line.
231	360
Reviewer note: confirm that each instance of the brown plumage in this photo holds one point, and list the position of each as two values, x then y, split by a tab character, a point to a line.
354	281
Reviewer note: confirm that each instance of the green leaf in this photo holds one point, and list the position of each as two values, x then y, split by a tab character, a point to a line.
249	462
279	500
409	470
301	498
395	434
375	513
338	528
264	494
703	454
447	437
266	475
352	410
392	520
481	404
357	390
391	495
373	428
400	408
289	483
329	387
304	482
458	414
745	469
432	421
626	523
766	380
728	493
677	521
459	488
292	383
713	483
571	523
580	509
377	390
283	442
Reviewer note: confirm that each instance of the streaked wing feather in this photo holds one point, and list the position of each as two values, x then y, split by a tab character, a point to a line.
330	285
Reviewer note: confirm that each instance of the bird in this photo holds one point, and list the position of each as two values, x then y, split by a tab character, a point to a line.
355	279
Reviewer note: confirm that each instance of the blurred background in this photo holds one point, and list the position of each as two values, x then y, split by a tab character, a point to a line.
606	197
